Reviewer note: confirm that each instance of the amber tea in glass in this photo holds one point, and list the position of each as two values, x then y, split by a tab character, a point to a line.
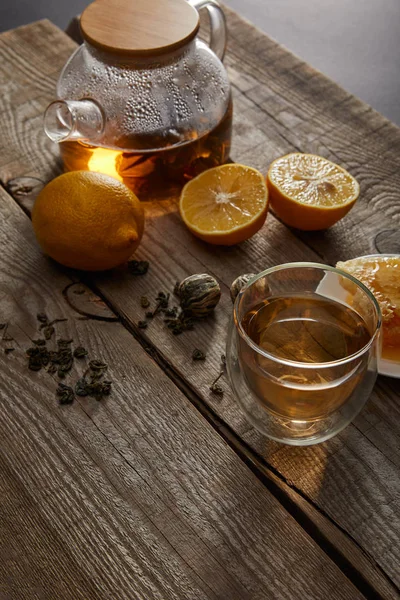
306	328
302	351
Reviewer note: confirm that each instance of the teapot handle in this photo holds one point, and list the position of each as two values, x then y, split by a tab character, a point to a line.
217	25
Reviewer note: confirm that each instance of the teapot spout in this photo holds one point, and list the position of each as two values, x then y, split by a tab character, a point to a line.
66	120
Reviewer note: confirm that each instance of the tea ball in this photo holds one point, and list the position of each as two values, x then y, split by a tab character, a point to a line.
199	294
239	283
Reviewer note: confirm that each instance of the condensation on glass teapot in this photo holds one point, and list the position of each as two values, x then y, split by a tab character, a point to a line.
144	99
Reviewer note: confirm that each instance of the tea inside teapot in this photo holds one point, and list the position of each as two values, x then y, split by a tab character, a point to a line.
144	99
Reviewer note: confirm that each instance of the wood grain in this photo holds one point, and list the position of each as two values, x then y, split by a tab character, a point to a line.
133	497
352	480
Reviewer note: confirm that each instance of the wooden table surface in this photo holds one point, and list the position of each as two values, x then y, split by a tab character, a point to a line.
164	491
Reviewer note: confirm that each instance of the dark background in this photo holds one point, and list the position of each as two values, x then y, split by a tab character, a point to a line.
355	42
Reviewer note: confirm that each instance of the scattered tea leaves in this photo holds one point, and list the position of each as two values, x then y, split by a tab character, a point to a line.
149	314
100	389
61	361
138	267
98	365
34	365
95	386
81	387
217	389
144	302
48	332
162	300
142	324
65	394
2	326
198	354
80	352
38	357
8	350
179	324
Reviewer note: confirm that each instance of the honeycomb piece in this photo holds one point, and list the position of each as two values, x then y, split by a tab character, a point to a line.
381	275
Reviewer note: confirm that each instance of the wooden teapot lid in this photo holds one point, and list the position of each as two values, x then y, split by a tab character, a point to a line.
139	27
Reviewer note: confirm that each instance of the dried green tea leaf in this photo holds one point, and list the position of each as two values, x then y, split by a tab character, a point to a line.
98	365
65	394
81	387
138	267
80	352
48	332
198	354
217	389
63	342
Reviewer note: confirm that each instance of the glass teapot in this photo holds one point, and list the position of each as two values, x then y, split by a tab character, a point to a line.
143	99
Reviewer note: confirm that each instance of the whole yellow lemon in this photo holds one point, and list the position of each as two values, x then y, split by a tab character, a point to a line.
88	221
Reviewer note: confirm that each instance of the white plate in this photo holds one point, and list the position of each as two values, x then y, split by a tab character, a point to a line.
331	288
391	368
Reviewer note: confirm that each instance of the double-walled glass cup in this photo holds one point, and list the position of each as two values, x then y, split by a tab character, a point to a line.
302	351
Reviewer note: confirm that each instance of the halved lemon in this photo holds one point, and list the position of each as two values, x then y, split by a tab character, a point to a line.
309	192
225	205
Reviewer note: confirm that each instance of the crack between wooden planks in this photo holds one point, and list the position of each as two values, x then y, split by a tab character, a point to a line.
271	478
373	444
